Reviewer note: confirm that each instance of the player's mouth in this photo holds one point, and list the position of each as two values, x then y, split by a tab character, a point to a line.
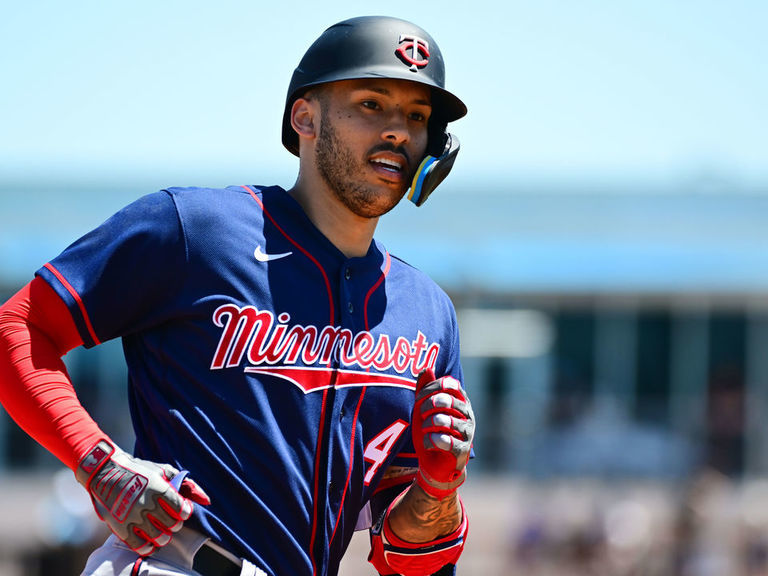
390	167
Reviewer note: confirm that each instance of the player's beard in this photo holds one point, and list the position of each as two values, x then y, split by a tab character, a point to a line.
342	173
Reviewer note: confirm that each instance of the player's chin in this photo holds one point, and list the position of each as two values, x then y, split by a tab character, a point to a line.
380	202
390	197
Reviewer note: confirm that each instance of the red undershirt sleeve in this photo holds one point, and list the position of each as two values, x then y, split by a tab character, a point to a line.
36	331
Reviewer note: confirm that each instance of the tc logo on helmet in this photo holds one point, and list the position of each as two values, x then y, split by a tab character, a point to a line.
413	51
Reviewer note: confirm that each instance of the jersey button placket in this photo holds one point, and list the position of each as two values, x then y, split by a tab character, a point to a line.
347	276
348	292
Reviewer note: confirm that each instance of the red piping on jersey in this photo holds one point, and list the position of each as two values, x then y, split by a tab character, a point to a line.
359	402
298	246
374	287
317	484
136	567
325	392
78	300
351	462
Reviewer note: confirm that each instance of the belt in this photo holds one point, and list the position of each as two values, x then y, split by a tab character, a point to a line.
210	562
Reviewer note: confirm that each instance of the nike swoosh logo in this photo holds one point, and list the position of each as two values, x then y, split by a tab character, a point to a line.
263	257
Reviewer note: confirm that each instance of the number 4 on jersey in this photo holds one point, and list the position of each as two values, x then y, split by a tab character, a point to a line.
378	449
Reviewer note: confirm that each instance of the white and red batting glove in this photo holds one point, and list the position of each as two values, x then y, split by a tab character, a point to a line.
139	500
443	427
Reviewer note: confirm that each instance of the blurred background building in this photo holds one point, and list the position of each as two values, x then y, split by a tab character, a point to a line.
615	346
603	236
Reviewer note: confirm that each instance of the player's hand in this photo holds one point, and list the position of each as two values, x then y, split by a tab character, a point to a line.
443	426
138	499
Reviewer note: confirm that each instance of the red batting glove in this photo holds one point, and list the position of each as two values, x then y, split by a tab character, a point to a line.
443	426
138	499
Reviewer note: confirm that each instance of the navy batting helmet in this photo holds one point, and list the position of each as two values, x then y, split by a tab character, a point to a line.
375	47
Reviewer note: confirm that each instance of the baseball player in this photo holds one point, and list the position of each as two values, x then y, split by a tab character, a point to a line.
290	380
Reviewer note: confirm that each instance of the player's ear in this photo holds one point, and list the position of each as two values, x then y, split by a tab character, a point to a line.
303	117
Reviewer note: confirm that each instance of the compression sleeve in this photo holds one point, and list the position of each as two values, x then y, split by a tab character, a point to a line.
36	330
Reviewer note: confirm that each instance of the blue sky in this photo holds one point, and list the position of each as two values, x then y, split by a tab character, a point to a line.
192	92
101	102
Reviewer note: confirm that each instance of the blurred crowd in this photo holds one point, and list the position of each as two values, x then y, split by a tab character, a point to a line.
708	527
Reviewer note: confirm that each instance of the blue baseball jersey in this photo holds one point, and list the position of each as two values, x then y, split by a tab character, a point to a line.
276	370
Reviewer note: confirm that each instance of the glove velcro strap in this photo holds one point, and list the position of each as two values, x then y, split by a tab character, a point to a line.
390	553
93	460
437	489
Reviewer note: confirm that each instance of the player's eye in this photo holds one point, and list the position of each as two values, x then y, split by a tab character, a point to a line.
418	117
371	105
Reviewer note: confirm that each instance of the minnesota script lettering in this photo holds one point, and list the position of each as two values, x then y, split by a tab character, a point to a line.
258	338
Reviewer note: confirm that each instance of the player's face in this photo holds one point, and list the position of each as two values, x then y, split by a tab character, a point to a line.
372	137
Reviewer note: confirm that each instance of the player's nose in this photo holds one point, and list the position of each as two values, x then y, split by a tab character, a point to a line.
396	129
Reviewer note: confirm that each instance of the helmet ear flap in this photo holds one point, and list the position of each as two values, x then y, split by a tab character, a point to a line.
436	136
433	170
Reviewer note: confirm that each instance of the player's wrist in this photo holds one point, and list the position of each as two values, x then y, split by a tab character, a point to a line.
392	552
439	490
94	459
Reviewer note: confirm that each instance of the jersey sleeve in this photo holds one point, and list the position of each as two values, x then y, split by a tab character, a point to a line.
122	276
